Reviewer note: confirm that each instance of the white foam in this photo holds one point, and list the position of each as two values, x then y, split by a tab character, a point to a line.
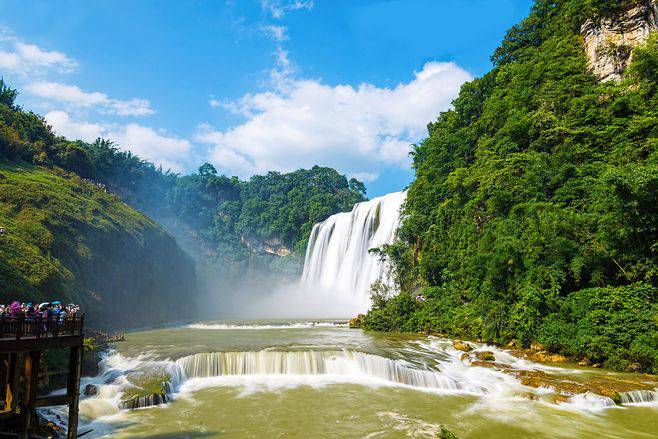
291	325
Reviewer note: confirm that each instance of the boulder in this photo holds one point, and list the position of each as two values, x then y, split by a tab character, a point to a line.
357	322
91	390
585	362
462	346
537	347
485	356
515	344
634	367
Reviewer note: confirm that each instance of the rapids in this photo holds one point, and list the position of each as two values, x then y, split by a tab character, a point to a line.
318	379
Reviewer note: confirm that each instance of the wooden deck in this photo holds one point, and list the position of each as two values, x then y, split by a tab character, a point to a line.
22	343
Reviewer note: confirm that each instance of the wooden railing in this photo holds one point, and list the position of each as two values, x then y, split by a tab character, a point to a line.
39	327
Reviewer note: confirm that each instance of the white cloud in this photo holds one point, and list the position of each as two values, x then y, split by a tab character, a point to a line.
19	57
64	126
278	8
356	130
157	146
75	96
277	33
214	102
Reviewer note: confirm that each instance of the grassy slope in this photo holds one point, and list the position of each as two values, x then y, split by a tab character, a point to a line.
66	239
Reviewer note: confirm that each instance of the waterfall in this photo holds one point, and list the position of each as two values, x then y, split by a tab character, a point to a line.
335	363
337	256
638	396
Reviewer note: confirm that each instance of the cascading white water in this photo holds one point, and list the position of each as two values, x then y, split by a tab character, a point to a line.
337	363
337	256
639	396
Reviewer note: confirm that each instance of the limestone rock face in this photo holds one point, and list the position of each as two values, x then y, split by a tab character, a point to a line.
610	41
272	246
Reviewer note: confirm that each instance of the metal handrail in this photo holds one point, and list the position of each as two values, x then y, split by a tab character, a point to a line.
39	327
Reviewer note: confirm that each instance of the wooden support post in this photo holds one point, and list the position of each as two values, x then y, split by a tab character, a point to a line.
13	380
73	389
30	377
4	371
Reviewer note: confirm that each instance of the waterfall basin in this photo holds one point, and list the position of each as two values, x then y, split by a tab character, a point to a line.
319	379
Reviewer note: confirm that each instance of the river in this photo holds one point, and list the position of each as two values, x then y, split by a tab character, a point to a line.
269	379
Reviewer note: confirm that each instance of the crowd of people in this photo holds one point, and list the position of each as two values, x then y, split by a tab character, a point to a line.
52	311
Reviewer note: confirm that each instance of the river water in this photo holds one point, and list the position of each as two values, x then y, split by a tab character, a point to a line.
269	379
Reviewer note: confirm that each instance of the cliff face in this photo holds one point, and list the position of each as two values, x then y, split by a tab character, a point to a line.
609	41
67	239
271	246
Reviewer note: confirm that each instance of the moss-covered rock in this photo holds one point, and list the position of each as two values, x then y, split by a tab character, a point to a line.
357	322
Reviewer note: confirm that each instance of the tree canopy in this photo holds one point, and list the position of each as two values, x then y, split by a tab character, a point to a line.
533	212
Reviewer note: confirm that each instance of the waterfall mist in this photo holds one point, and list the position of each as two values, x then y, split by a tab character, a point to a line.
338	269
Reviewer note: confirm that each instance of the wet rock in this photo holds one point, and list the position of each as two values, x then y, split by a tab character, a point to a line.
537	347
357	322
462	346
547	357
515	344
560	399
144	401
531	396
465	357
634	367
485	356
585	362
610	393
538	378
91	390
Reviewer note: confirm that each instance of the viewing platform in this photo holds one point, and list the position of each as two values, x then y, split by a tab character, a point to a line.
22	344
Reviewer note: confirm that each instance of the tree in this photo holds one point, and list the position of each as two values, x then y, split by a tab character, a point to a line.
7	94
207	169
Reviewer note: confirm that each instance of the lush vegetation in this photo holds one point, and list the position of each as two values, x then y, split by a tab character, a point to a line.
237	225
240	229
534	212
66	238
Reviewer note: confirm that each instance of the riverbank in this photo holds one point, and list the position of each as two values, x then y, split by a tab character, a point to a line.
618	386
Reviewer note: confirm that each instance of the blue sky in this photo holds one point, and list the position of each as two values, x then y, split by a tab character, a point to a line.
252	85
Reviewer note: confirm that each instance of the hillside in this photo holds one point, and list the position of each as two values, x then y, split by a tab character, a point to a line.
533	214
68	239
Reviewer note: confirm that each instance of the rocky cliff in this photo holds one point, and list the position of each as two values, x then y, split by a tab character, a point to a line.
609	41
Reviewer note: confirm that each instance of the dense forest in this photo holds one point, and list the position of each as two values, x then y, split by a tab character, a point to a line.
534	212
256	228
236	229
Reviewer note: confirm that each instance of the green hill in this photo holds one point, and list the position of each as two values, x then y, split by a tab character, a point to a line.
66	238
534	211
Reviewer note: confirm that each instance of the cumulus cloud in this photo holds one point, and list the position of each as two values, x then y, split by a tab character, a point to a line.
157	146
64	126
357	130
278	8
75	96
22	58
